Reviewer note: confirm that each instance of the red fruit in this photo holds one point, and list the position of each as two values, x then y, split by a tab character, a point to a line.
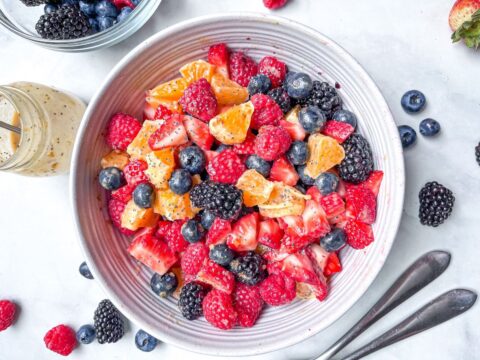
198	132
272	142
338	130
115	210
333	265
247	147
153	253
274	69
320	288
274	4
61	339
292	244
210	155
359	235
171	133
218	56
244	234
461	12
248	303
217	276
270	234
315	220
7	314
148	111
199	100
300	268
278	289
294	129
242	68
171	232
333	205
134	172
124	194
317	256
218	232
193	258
361	204
374	181
121	130
122	3
274	257
226	167
315	194
218	310
282	170
162	113
267	111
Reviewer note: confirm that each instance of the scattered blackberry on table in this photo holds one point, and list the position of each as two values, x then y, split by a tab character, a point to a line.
108	323
408	135
144	341
249	268
223	200
358	162
191	299
436	204
221	254
33	2
413	101
164	285
325	97
68	22
281	98
477	153
85	271
86	334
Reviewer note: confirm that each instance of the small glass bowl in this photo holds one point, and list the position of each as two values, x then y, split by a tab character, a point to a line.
20	21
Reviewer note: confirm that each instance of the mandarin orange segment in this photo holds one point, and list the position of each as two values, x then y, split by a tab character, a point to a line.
135	217
171	90
173	206
228	92
154	102
292	115
256	189
116	158
231	127
284	200
161	164
324	153
196	70
139	148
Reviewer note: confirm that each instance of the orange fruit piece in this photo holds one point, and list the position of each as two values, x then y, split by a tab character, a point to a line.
231	127
256	189
173	206
171	90
324	153
228	92
139	148
196	70
116	158
161	164
152	103
135	217
284	200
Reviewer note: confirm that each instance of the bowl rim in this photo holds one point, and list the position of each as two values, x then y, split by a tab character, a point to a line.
399	173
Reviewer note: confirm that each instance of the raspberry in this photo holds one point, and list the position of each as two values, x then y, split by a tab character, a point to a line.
242	68
248	303
247	147
199	100
162	113
121	131
61	339
218	310
193	258
115	210
267	111
124	194
274	69
7	314
171	232
359	235
274	4
272	142
278	289
134	172
226	167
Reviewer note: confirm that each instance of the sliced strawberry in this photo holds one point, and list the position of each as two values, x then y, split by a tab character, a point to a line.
361	204
292	225
162	113
152	252
124	194
338	130
300	268
275	256
315	220
218	232
315	194
270	233
333	205
171	133
342	188
317	255
359	235
283	171
292	244
198	132
247	147
218	56
210	155
339	220
320	288
333	265
218	277
149	111
374	181
296	131
244	234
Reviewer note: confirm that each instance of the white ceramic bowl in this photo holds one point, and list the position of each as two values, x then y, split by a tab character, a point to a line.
158	59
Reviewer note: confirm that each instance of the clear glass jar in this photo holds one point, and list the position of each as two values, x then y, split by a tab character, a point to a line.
48	120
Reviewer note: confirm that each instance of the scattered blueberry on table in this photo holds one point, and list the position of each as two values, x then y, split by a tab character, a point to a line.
413	101
408	135
429	127
85	271
86	334
145	341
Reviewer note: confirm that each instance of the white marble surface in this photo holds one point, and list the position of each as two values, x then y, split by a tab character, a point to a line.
403	44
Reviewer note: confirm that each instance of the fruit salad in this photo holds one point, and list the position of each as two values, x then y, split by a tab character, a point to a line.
240	187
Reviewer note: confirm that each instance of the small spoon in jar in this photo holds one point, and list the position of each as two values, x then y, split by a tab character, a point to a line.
9	127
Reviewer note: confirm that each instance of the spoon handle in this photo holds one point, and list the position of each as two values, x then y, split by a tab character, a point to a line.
439	310
421	273
9	127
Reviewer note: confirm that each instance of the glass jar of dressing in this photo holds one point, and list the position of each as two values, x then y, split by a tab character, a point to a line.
44	122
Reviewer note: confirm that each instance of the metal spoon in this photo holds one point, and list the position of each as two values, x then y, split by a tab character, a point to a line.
421	273
439	310
9	127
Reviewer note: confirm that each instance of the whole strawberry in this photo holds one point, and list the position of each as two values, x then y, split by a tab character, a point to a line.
242	68
61	339
7	314
272	142
227	167
121	130
464	20
218	310
199	100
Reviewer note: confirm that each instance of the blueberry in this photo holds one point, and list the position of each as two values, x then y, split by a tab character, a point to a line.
85	271
221	254
50	8
326	183
298	85
255	162
180	182
259	84
106	8
413	101
407	135
94	24
312	119
87	7
207	219
346	117
429	127
124	13
192	159
86	334
192	231
143	195
298	152
164	285
307	180
105	22
111	178
222	147
145	341
136	2
70	2
334	240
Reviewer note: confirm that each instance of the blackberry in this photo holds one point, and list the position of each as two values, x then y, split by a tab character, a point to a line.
249	268
436	204
281	98
33	2
108	323
191	299
325	97
358	162
68	22
223	200
477	153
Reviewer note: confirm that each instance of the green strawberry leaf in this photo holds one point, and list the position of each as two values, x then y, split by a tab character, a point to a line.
469	32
